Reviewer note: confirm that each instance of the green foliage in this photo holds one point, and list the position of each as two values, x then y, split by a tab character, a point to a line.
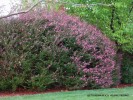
127	69
69	76
34	61
24	57
115	21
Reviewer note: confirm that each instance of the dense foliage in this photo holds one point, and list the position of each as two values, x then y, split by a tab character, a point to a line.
127	69
113	17
43	49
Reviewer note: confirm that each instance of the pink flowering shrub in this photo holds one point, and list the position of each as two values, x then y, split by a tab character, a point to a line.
97	57
53	48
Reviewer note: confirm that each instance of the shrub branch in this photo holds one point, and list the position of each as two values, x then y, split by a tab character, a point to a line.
74	4
22	12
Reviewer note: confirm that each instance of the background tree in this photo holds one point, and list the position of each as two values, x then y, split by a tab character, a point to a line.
115	20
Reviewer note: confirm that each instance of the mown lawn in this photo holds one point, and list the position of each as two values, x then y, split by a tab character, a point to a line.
108	94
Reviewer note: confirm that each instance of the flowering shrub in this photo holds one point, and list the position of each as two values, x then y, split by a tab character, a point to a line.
23	50
96	57
46	49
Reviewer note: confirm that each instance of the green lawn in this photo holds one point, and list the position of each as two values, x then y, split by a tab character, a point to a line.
80	95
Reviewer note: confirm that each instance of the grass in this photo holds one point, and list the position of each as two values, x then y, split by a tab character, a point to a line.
80	95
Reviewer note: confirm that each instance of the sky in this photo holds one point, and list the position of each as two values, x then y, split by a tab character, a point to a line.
5	6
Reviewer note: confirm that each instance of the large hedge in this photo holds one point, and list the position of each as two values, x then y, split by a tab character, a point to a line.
42	50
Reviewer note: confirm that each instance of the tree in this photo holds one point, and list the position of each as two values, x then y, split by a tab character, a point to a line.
115	20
